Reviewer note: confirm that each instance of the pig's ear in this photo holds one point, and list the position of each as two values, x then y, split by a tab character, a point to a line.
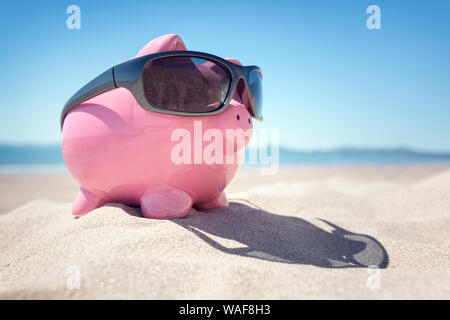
234	61
168	42
240	94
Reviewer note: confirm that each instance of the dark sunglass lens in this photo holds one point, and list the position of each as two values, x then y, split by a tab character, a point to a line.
256	92
186	84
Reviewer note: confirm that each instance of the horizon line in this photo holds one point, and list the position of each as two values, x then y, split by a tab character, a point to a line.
347	148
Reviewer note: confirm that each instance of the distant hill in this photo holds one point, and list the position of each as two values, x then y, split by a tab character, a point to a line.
359	156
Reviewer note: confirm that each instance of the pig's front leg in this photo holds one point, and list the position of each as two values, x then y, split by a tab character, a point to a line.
217	202
166	204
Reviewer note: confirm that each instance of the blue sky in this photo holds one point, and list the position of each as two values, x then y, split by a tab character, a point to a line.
328	80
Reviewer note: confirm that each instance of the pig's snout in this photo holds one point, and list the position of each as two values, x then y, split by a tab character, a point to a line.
241	114
241	125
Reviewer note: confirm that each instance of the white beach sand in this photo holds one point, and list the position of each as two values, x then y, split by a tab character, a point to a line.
306	232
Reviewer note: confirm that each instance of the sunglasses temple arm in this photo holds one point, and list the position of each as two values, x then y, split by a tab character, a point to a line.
102	83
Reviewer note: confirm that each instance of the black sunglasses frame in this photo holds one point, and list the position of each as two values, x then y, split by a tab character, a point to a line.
129	75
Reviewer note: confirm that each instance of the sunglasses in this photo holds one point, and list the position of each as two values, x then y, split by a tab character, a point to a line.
184	83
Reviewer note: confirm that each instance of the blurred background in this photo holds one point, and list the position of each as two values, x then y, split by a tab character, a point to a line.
337	91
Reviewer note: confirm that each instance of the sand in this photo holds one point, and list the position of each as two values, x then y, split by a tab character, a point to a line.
306	233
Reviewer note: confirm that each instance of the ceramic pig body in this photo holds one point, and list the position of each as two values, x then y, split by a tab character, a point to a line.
119	152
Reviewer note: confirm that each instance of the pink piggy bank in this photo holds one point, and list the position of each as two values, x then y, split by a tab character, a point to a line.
120	152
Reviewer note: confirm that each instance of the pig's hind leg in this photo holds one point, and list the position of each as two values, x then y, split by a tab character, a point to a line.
166	204
216	202
87	201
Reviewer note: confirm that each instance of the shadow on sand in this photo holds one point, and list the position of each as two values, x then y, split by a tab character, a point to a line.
272	237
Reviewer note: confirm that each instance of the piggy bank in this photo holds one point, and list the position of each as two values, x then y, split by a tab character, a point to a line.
119	152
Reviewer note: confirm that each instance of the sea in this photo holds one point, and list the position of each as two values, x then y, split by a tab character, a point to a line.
48	158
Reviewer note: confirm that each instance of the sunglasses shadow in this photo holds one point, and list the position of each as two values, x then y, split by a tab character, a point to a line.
108	116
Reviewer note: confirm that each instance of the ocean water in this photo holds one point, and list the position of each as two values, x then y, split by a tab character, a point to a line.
48	158
29	159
